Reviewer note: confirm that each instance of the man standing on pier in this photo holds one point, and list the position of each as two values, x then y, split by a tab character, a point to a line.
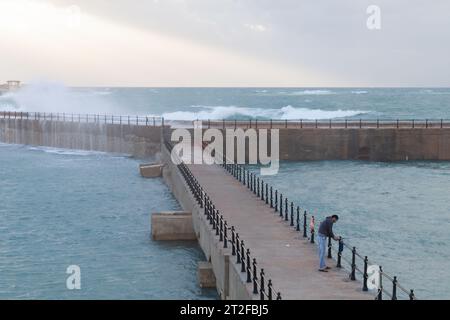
326	231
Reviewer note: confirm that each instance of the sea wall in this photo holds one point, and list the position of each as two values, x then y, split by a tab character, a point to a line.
370	144
365	144
118	138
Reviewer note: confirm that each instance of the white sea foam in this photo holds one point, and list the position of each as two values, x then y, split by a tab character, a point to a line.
72	152
102	93
318	92
288	113
359	92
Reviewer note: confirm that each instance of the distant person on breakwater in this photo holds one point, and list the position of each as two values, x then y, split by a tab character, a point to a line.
326	231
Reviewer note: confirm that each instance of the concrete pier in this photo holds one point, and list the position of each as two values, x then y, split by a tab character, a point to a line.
206	277
151	170
287	258
172	226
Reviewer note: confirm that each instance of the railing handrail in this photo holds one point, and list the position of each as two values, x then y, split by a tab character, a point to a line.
137	120
338	123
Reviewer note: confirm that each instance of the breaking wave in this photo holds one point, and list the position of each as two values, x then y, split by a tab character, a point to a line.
233	112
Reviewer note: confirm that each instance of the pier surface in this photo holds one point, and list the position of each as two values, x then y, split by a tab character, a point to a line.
287	258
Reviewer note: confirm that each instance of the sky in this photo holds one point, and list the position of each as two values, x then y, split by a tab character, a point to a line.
231	43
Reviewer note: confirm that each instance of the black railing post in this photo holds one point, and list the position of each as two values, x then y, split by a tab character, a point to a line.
281	205
329	248
238	250
394	289
305	235
261	285
233	241
269	289
262	190
365	275
242	256
298	218
255	278
292	214
267	193
286	210
225	235
339	258
258	194
276	200
249	267
353	272
217	222
380	289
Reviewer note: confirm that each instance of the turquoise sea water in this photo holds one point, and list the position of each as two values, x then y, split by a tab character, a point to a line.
62	207
230	103
398	214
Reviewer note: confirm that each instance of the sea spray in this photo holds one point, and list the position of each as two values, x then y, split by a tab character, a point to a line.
234	112
45	96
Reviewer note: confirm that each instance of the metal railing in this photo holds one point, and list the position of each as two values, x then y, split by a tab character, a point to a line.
221	227
84	118
329	124
226	124
297	218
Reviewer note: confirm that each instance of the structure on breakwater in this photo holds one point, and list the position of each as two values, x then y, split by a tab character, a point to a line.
259	243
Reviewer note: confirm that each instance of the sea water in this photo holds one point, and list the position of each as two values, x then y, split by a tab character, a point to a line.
231	103
60	208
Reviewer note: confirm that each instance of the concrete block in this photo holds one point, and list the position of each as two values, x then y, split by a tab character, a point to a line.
172	226
151	170
205	275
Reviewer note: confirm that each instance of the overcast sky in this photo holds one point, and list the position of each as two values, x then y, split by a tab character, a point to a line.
225	42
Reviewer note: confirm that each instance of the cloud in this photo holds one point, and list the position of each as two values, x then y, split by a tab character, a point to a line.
325	38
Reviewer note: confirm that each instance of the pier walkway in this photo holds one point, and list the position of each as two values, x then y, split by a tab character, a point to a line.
290	260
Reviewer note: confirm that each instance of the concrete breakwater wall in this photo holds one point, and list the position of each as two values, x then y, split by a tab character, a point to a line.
118	138
385	144
370	144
